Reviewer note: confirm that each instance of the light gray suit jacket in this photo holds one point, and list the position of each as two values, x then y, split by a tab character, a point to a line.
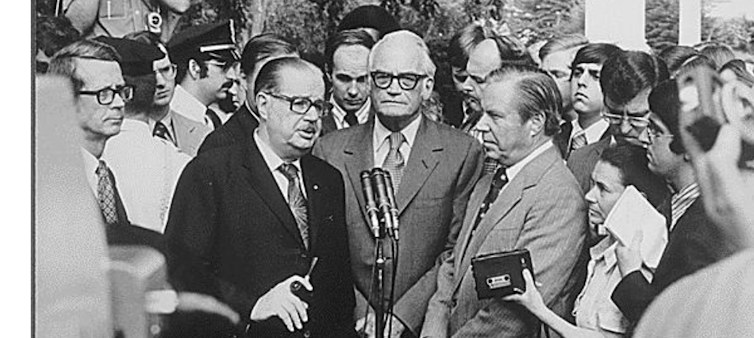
541	209
189	134
442	169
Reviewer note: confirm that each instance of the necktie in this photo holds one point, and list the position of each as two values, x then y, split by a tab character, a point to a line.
161	131
296	200
213	117
394	162
351	119
106	193
498	182
578	140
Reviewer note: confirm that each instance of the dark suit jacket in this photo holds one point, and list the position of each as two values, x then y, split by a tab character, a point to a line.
694	243
541	209
238	129
231	234
442	168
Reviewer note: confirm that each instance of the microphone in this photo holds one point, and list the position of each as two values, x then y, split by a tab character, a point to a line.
393	207
371	205
383	203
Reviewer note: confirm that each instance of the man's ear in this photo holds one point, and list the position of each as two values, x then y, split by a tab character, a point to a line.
427	87
194	70
537	123
263	105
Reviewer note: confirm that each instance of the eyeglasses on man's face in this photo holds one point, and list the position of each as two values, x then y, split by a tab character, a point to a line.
637	119
407	81
106	96
225	66
301	105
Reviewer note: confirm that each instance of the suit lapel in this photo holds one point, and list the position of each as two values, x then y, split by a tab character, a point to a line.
475	201
261	180
421	162
357	158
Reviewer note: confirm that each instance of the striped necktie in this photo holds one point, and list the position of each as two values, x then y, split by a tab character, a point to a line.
394	162
296	200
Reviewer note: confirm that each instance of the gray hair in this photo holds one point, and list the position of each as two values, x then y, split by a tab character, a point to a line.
427	65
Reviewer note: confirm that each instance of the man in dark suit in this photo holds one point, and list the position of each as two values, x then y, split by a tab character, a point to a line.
433	167
694	241
347	54
241	125
249	219
531	202
626	79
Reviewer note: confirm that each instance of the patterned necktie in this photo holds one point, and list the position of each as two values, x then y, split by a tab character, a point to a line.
296	200
578	140
213	117
394	162
351	119
498	182
161	131
106	193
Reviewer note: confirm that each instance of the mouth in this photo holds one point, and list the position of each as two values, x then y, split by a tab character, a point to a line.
393	102
308	132
580	96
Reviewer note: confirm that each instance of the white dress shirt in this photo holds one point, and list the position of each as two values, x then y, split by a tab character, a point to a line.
513	170
146	170
339	115
593	133
273	162
168	122
187	105
381	140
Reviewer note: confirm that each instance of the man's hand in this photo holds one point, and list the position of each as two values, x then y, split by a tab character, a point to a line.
369	331
281	302
629	257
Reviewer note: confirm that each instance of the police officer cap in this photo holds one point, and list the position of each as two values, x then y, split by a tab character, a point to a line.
369	16
135	57
216	40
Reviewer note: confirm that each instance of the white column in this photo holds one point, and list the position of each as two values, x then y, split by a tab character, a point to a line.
616	21
689	22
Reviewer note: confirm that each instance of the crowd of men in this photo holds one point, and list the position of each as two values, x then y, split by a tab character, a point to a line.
244	170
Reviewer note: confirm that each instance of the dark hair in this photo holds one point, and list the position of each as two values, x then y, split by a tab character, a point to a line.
63	63
719	53
511	50
54	33
631	161
268	78
182	61
675	56
625	74
369	16
262	47
462	43
352	37
694	62
594	53
537	93
561	43
665	104
738	67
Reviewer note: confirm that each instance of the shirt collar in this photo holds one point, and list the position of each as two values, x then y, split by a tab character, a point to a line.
362	115
593	133
187	105
513	170
605	249
272	159
381	133
131	125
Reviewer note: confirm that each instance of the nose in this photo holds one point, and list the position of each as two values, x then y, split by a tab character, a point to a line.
353	89
394	88
468	85
590	195
581	79
117	101
625	126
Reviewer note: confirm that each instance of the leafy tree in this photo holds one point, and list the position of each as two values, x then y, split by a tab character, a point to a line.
661	28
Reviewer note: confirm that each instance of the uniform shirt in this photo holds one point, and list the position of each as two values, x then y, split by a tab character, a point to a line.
339	115
381	141
273	162
187	105
146	170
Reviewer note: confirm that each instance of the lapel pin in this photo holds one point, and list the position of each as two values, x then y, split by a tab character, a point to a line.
315	187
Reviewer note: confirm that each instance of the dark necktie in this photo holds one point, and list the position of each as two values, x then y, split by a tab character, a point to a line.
106	193
351	119
394	162
296	200
498	182
213	117
161	131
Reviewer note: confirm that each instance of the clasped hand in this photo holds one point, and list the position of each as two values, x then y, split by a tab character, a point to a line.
281	302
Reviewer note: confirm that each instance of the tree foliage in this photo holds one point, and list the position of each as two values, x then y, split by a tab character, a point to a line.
661	29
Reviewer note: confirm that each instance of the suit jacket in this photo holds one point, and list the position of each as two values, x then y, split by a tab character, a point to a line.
231	234
694	243
328	125
563	139
541	209
442	168
238	129
189	134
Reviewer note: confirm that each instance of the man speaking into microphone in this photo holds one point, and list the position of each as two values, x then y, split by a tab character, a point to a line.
257	223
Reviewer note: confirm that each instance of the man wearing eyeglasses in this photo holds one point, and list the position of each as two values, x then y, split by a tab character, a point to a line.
205	56
433	169
252	220
626	78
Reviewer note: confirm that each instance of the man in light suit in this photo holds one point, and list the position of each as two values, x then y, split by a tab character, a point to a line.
248	219
434	168
532	202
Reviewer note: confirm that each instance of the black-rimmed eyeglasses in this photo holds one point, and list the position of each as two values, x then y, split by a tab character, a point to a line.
301	105
407	81
106	96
